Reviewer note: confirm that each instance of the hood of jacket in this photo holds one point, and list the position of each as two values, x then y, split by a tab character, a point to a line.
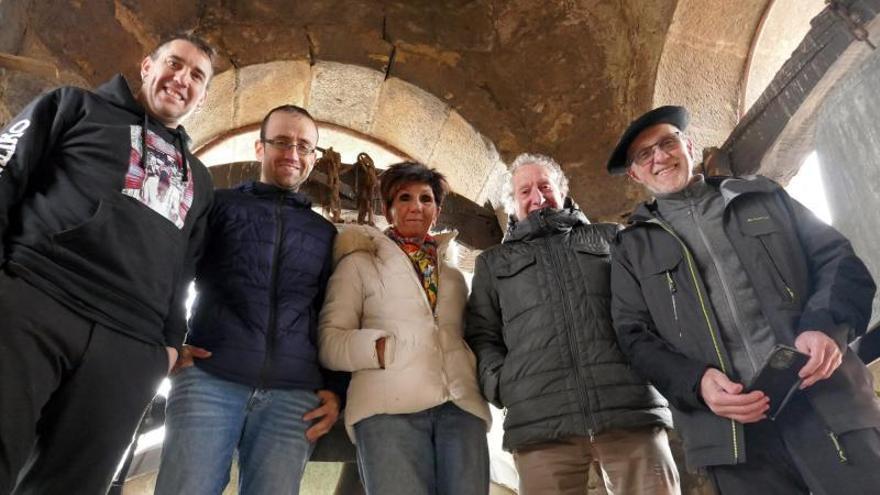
117	92
730	188
353	238
545	221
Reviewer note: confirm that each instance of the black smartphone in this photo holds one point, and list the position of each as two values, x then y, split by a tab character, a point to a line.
778	377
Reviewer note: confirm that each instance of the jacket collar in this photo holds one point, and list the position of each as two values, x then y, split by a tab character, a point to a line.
730	188
262	189
546	221
353	238
117	92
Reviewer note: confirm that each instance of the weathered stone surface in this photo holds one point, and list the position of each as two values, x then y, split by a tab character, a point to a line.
491	192
457	25
463	155
150	22
216	116
782	30
704	62
17	90
559	77
355	13
342	45
260	42
410	118
12	34
88	38
345	95
265	86
847	140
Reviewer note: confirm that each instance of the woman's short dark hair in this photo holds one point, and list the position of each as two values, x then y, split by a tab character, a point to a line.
399	174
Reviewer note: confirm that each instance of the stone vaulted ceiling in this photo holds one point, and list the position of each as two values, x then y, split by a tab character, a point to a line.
560	77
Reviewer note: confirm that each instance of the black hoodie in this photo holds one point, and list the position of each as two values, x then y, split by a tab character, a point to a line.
89	218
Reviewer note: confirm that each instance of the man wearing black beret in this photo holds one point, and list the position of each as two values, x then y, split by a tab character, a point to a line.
711	277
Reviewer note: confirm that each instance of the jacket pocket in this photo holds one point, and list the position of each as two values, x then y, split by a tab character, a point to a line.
662	289
127	248
516	281
595	268
513	265
763	229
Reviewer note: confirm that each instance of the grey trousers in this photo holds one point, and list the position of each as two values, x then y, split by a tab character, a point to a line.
797	454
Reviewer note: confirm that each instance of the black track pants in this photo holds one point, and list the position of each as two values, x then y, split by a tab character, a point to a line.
71	394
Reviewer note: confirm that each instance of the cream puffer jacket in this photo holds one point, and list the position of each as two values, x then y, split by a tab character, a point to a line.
374	292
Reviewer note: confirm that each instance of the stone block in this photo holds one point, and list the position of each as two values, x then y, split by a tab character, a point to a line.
345	95
409	118
265	86
464	156
216	116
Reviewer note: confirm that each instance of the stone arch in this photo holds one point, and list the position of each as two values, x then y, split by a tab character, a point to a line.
387	109
782	27
704	61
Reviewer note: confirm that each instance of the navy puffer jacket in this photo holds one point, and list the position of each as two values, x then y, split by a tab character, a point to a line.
260	286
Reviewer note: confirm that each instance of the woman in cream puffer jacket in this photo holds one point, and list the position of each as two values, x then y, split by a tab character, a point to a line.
420	421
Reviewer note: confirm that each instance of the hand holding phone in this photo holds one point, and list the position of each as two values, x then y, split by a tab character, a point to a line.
778	377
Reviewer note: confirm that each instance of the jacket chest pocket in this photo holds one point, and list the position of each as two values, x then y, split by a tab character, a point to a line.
594	269
662	279
518	286
769	266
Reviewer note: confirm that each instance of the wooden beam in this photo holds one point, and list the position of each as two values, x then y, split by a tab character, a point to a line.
477	225
787	108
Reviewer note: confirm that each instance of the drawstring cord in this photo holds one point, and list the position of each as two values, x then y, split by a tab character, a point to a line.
179	144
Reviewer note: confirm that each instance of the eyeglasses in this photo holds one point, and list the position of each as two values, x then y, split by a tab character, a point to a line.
301	148
667	143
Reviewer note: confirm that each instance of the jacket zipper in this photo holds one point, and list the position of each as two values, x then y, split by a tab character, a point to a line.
272	327
569	331
841	454
672	290
435	314
731	303
788	290
690	262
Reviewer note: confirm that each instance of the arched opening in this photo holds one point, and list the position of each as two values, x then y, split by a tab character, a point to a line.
364	101
782	28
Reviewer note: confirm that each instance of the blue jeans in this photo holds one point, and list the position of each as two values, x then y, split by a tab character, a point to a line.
208	418
439	451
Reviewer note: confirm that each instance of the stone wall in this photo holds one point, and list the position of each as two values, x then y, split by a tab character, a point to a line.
848	144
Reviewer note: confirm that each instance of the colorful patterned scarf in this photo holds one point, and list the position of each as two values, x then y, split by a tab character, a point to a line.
423	255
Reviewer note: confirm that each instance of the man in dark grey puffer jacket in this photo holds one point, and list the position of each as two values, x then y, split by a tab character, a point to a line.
539	322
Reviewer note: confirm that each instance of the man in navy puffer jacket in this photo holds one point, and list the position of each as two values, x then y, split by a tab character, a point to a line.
255	385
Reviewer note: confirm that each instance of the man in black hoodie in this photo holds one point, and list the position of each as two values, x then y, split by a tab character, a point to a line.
102	213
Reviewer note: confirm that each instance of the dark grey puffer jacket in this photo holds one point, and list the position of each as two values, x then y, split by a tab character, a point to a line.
539	321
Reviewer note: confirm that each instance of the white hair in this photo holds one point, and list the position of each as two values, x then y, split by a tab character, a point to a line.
552	167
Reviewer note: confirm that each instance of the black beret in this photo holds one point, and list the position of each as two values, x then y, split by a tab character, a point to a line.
677	116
